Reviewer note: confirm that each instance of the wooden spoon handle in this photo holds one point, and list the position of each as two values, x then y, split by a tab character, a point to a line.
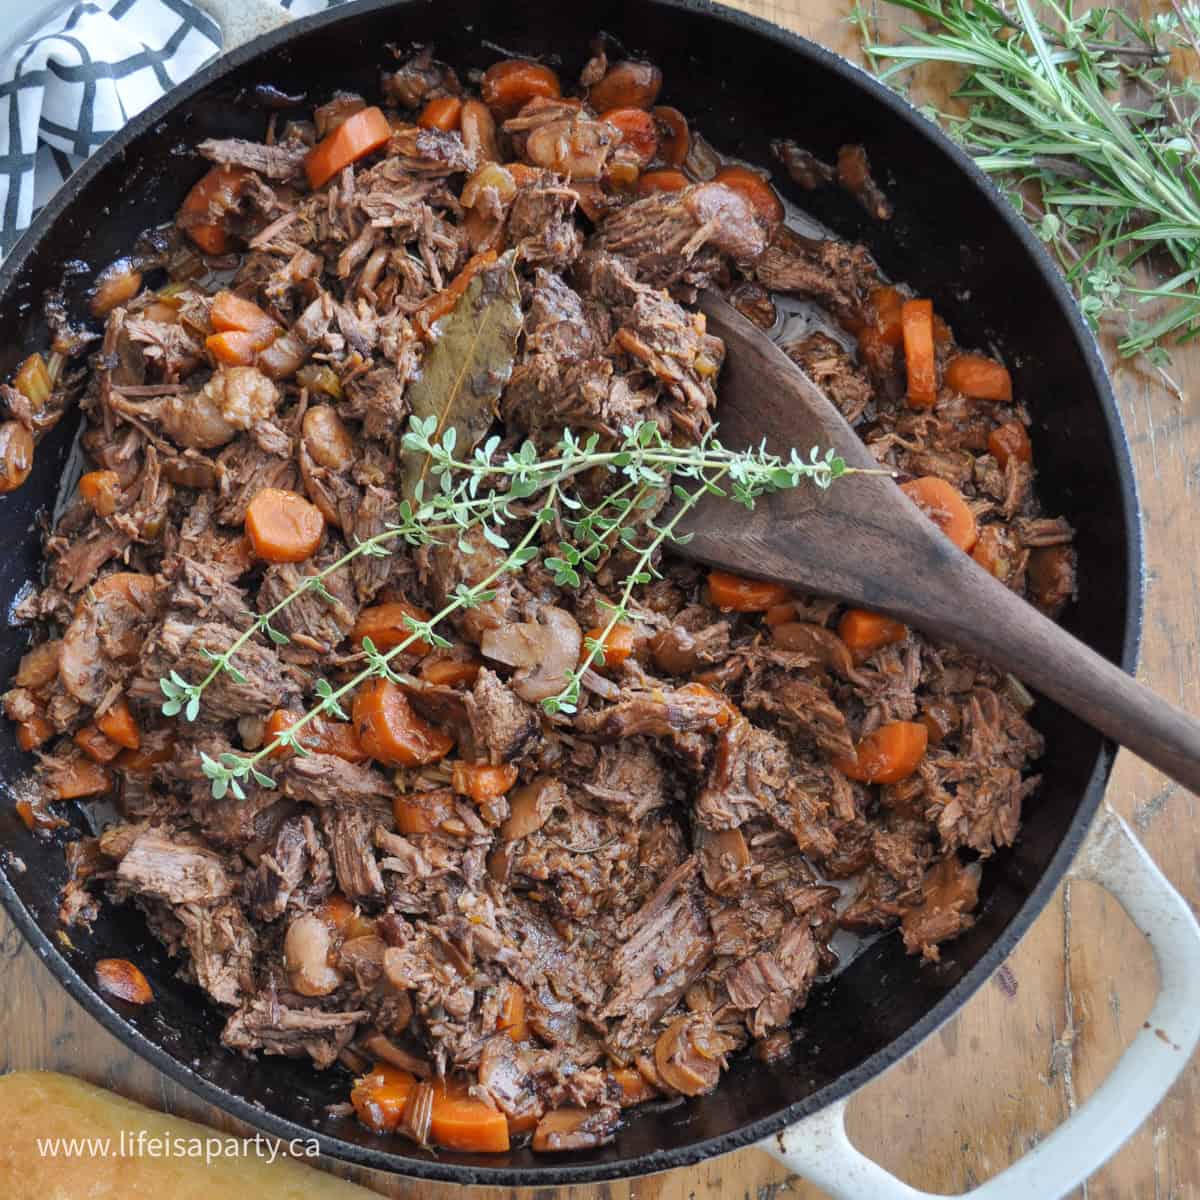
980	614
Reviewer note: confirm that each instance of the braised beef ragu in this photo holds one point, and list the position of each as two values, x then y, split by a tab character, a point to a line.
506	923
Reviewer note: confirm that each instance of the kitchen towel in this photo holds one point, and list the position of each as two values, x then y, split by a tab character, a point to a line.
89	69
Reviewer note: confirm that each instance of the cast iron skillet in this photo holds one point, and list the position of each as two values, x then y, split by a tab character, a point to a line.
954	238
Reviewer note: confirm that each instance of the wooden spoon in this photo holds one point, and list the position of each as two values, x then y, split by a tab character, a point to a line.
864	542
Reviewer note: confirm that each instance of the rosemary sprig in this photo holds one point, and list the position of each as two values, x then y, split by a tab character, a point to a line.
1079	108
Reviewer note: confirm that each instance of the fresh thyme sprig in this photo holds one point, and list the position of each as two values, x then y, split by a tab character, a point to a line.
492	493
1080	109
229	771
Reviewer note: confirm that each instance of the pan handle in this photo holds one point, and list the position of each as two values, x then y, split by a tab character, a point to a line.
818	1148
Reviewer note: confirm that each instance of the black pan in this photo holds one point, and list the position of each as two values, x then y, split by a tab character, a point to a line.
954	238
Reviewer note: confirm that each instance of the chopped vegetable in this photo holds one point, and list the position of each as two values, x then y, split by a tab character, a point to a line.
638	131
101	489
230	312
381	1096
512	1012
482	782
283	527
890	754
117	284
916	324
390	732
423	812
780	614
237	348
886	305
120	978
865	632
979	377
460	1122
478	129
39	665
755	189
631	83
77	776
443	303
356	137
662	181
738	594
443	112
674	140
943	504
91	740
385	625
33	733
449	672
508	85
616	647
33	381
326	438
344	919
217	191
157	747
633	1086
16	455
118	723
1010	441
318	736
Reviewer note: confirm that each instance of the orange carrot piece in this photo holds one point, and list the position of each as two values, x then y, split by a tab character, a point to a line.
442	112
319	736
638	131
449	672
916	324
674	140
231	313
119	724
886	303
739	594
390	732
423	812
512	1013
482	782
780	614
615	648
508	85
384	624
380	1097
33	733
78	777
95	745
460	1122
661	181
120	978
943	504
888	755
633	1085
979	377
865	632
283	527
218	188
1010	441
236	348
436	307
756	189
357	136
344	919
101	490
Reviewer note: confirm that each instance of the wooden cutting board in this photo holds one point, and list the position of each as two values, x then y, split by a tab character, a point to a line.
1036	1040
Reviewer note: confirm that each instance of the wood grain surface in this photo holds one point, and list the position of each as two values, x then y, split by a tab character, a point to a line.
1035	1041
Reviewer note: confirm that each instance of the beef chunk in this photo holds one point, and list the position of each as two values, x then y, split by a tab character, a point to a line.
223	949
297	864
833	273
316	621
266	1024
949	894
324	780
503	727
770	985
541	226
283	162
659	712
832	369
350	832
159	866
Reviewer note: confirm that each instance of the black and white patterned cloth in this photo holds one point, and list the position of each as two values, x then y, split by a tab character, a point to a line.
90	68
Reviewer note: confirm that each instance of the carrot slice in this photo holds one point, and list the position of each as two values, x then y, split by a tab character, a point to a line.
1010	441
384	624
119	977
237	348
943	504
101	490
449	672
283	527
757	190
616	648
633	1085
512	1012
638	131
662	181
460	1122
95	745
319	736
390	732
780	614
218	189
436	307
443	112
674	140
158	746
508	85
888	755
423	812
916	324
979	377
482	781
886	303
119	724
138	589
232	313
78	777
380	1097
740	594
344	919
356	137
865	632
34	732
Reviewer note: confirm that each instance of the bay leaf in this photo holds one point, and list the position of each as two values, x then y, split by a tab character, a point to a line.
466	368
